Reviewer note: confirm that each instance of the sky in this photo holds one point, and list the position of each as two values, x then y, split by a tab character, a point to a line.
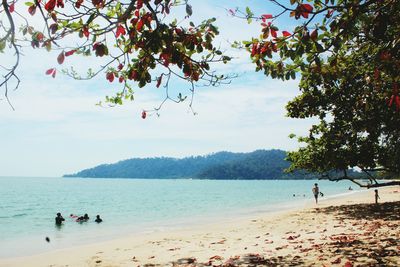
57	129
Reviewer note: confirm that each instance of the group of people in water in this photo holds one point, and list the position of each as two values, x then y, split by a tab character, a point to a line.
59	219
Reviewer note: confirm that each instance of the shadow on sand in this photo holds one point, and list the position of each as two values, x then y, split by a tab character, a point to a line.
369	244
389	211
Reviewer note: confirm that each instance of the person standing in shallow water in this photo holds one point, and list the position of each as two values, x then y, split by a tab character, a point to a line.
376	196
59	219
315	191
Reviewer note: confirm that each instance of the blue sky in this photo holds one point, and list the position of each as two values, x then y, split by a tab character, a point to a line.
56	127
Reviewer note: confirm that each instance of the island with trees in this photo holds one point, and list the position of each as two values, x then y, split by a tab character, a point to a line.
260	164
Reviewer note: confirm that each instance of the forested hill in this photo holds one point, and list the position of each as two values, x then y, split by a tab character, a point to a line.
260	164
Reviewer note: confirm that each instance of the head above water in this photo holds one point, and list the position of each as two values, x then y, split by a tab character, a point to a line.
58	214
98	216
316	184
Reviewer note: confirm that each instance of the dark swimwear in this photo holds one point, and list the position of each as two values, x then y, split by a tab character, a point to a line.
59	220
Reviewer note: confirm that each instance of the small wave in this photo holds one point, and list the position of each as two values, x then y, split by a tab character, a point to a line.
19	215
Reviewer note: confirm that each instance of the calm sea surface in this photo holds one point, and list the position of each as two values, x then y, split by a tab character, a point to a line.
28	206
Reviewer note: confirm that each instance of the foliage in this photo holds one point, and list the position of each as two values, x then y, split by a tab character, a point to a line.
138	39
347	53
260	164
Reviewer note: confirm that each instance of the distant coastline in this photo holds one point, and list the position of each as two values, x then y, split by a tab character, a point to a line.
256	165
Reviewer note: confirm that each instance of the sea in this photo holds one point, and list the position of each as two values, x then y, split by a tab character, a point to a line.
28	207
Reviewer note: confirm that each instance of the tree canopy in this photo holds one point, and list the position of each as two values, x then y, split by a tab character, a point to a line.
141	41
346	53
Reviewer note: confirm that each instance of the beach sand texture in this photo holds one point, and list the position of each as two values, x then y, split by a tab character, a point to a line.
346	231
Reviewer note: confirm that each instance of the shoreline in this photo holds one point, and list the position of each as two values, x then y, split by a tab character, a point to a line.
96	236
228	238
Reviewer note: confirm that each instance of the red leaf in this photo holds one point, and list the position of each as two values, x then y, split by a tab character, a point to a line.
266	16
273	33
307	7
98	3
392	98
286	33
120	30
314	35
39	36
32	10
348	264
53	28
50	5
139	25
139	4
376	74
85	31
254	49
110	77
120	66
121	79
159	81
144	114
60	3
70	53
50	71
78	3
11	8
397	103
60	58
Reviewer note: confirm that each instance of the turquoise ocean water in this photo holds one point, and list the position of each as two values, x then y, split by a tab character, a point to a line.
128	206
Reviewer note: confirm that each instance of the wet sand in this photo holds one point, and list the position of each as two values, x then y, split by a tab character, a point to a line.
347	231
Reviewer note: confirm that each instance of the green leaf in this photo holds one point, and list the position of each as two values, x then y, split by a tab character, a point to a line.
2	46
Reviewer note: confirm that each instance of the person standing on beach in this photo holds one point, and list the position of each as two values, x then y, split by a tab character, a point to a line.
376	196
59	219
315	191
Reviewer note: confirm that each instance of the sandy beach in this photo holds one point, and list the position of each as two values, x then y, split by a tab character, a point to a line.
346	231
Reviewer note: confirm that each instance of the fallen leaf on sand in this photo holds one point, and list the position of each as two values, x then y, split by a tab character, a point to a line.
337	261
